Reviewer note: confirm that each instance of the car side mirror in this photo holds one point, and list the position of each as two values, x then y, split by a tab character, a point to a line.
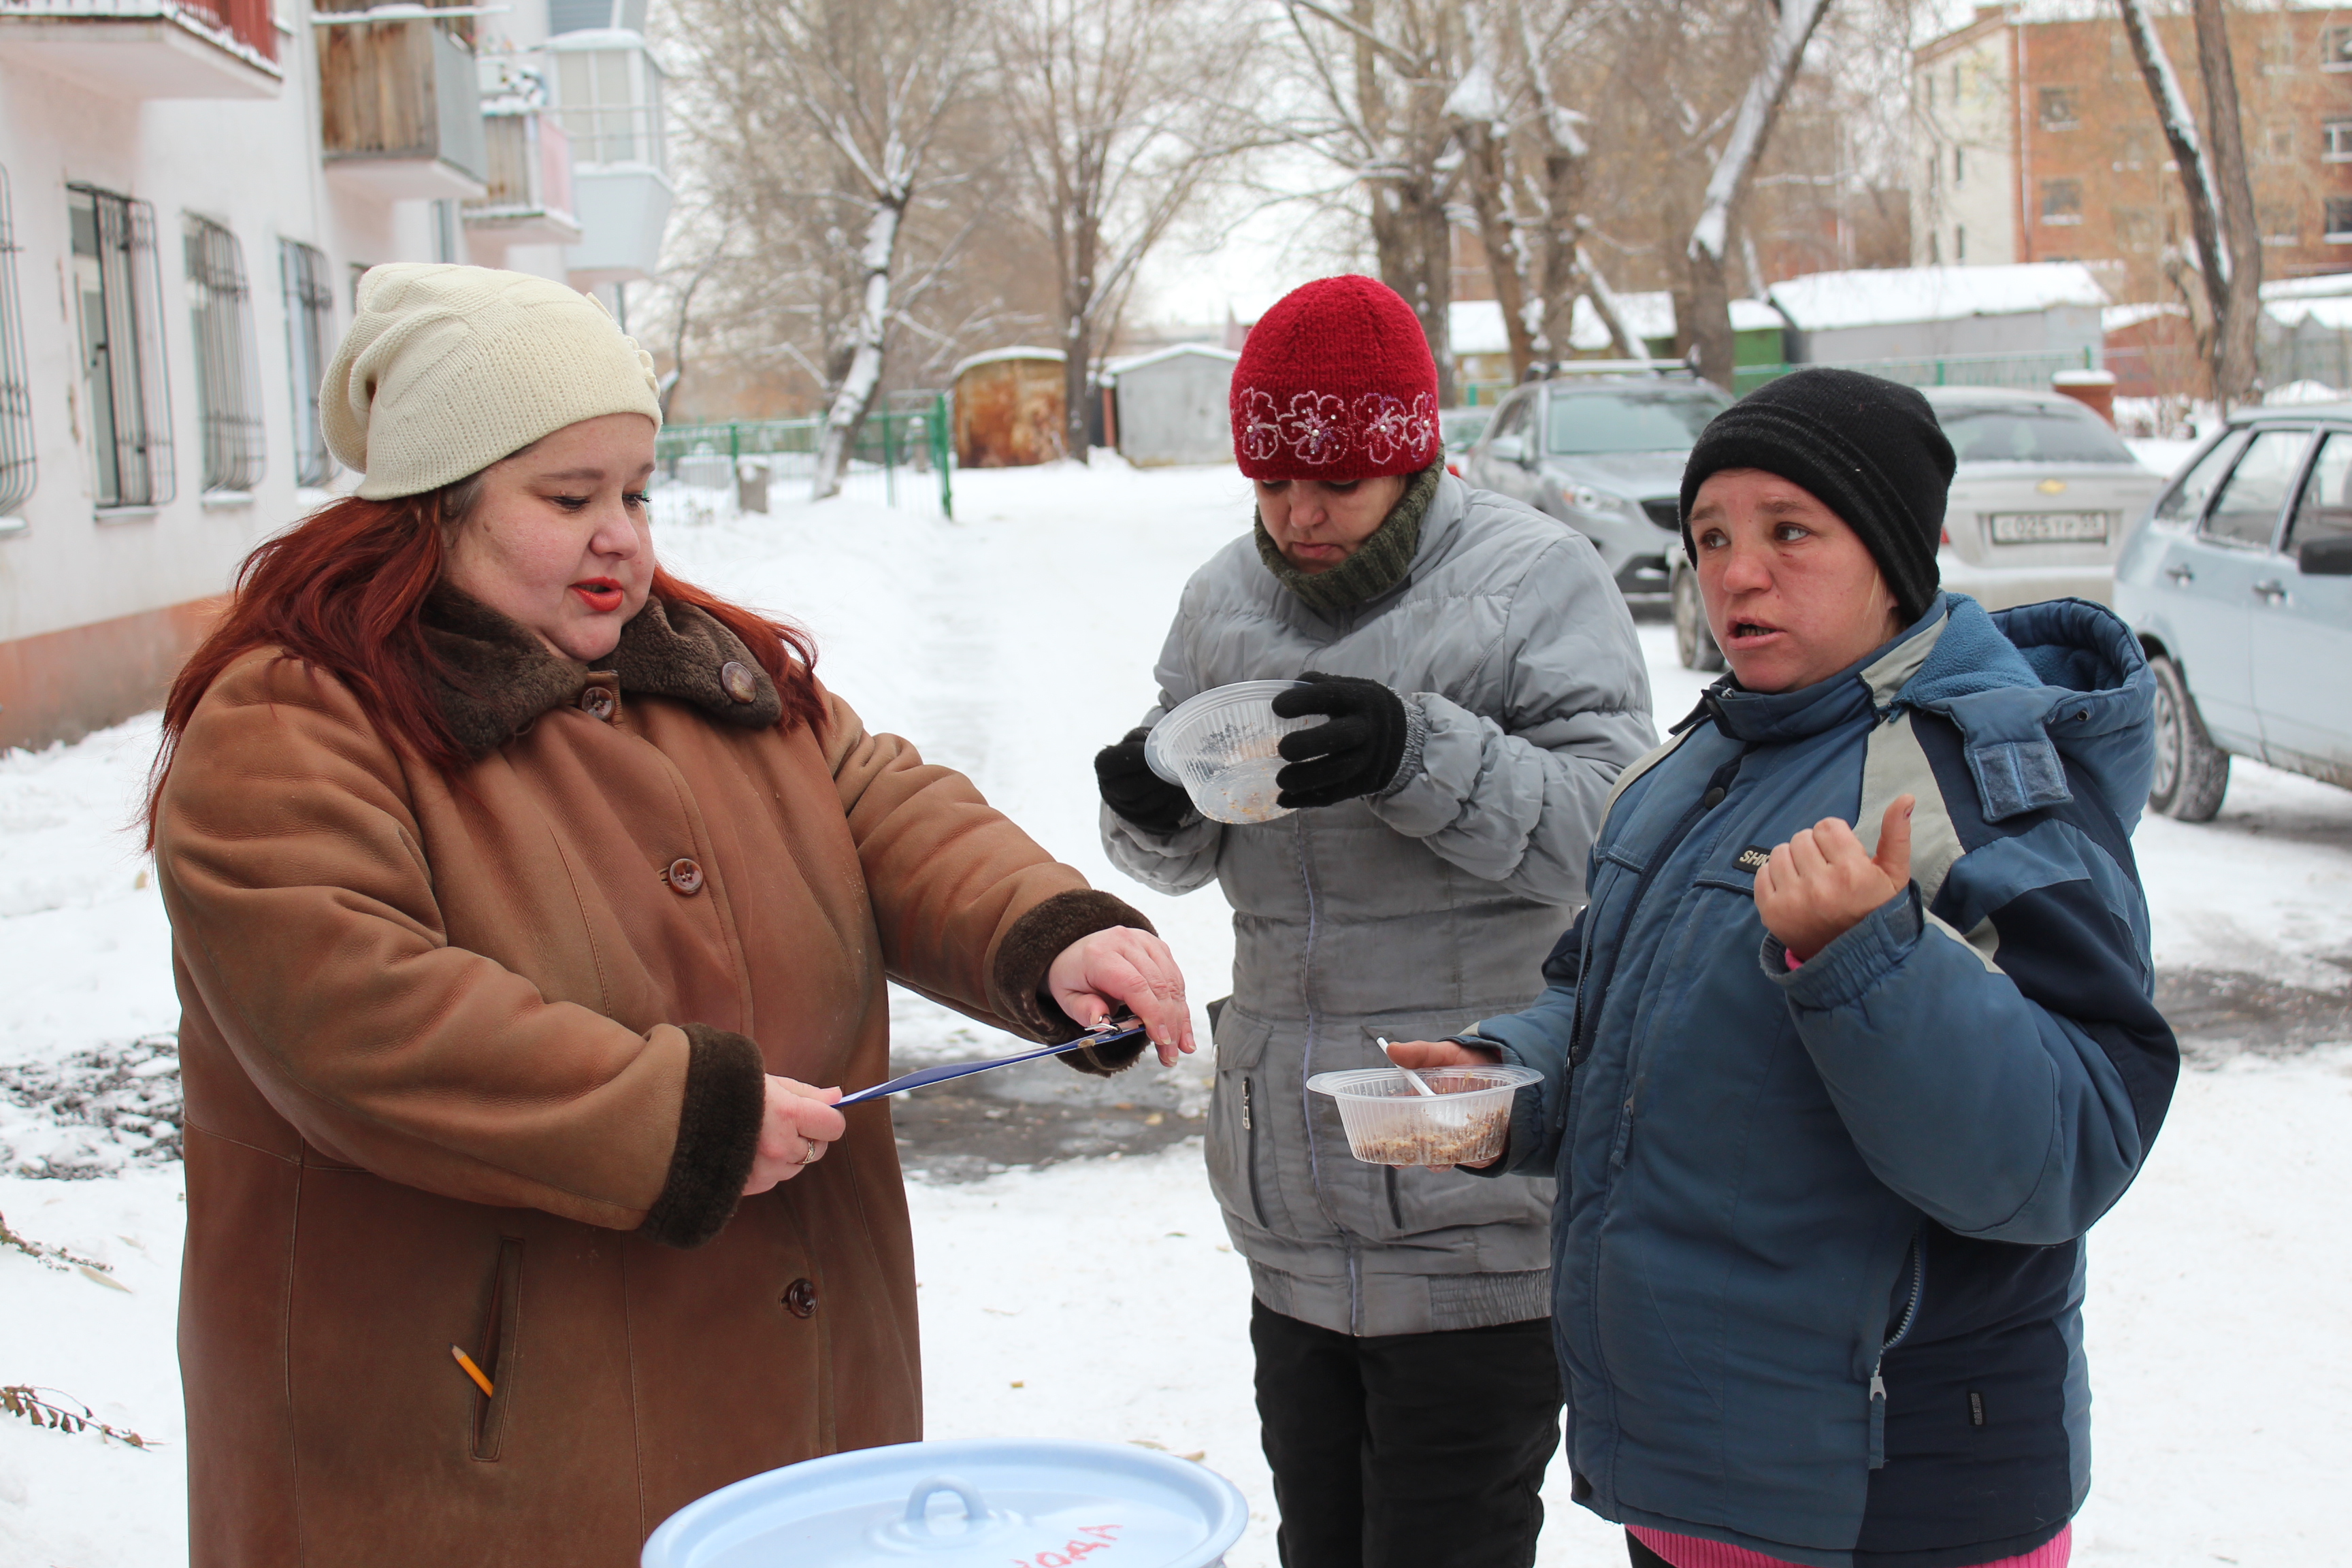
1508	449
2325	557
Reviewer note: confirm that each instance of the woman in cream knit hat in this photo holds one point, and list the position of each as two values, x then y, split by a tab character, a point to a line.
521	897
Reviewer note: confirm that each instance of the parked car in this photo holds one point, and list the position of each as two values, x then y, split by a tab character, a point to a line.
1604	455
1460	427
2043	496
2239	586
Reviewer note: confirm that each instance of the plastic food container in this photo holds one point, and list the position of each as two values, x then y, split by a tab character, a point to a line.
1220	746
982	1503
1389	1122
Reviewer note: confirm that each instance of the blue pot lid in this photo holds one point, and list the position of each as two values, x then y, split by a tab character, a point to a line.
979	1503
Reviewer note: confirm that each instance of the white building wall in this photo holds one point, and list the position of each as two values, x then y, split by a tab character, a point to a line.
253	164
1963	142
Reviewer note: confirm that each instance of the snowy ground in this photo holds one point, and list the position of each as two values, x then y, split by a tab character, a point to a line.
1096	1298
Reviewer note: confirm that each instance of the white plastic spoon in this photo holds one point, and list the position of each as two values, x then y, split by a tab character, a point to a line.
1411	1077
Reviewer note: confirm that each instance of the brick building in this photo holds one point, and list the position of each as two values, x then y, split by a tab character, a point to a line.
2034	139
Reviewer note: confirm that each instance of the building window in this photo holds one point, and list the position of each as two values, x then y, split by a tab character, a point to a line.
119	296
2135	228
2278	142
2276	221
1959	243
310	339
17	465
610	100
2339	220
2335	49
1959	167
2335	141
2275	57
229	382
2061	201
2058	109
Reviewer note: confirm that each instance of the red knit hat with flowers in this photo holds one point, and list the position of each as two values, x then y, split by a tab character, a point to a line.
1336	384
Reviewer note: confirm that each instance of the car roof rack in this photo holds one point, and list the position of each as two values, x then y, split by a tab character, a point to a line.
1575	369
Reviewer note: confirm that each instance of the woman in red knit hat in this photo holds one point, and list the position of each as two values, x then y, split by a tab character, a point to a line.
1481	689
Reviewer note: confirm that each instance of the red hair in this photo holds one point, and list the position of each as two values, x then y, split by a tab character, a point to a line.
343	591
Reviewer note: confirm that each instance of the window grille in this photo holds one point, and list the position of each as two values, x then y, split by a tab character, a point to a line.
17	465
119	290
228	379
609	102
310	341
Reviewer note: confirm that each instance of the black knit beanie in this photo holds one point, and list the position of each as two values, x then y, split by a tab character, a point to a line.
1870	449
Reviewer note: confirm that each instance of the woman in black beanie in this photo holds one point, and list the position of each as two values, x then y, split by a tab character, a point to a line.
1854	1040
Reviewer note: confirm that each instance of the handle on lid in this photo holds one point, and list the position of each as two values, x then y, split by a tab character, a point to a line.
919	1501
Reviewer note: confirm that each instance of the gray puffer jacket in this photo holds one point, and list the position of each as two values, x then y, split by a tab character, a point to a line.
1408	916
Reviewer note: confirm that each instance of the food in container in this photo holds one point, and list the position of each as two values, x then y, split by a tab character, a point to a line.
977	1503
1220	747
1464	1122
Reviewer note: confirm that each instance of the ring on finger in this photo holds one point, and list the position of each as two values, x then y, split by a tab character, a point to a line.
810	1158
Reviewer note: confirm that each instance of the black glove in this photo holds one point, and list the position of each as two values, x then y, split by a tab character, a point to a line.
1358	753
1130	788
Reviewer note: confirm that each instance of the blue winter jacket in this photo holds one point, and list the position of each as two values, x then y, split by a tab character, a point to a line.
1817	1256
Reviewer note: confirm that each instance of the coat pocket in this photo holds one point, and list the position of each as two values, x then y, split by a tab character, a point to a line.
1237	1116
494	1350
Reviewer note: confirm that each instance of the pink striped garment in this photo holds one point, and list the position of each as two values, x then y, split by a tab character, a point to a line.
1690	1551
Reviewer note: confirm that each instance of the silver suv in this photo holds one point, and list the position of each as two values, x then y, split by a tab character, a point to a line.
2239	586
1604	455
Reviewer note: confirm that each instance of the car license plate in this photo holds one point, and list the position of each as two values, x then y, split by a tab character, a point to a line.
2049	526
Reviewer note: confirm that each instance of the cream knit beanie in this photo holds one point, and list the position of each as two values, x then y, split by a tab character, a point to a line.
448	369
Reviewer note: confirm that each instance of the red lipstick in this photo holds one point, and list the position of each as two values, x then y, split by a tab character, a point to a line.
599	594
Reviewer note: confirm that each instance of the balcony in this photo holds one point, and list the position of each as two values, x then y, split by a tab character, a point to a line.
399	110
144	50
529	197
622	210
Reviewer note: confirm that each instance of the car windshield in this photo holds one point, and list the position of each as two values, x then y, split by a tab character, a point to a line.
2029	433
1668	419
1463	425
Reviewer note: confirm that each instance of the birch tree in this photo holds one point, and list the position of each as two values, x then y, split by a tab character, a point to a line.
2219	194
820	121
1708	323
1113	139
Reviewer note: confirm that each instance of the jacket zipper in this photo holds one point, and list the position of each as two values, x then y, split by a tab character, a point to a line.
1396	1209
1902	1328
1249	1155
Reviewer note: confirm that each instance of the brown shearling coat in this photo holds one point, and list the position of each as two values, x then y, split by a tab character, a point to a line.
476	1059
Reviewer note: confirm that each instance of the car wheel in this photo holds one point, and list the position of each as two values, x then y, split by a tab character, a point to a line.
2192	772
1694	642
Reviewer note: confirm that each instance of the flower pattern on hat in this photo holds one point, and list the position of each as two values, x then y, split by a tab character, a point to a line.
1387	430
1317	427
1259	426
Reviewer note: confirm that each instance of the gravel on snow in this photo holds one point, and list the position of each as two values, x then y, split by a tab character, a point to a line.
1097	1296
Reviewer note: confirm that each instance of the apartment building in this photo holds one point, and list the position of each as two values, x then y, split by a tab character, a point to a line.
2033	139
189	191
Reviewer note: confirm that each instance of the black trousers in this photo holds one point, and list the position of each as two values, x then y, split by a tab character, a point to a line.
1407	1450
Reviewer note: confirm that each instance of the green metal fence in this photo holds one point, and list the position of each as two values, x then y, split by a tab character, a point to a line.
903	458
2023	371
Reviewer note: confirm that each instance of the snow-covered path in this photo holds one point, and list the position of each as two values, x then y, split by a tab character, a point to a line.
1096	1298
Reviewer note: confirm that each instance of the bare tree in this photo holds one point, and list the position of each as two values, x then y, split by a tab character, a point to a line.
2221	223
1709	321
1380	72
1525	164
1113	139
818	122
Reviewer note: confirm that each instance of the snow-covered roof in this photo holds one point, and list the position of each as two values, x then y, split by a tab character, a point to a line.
1018	351
1885	296
1117	367
2320	287
2118	318
1477	325
2334	314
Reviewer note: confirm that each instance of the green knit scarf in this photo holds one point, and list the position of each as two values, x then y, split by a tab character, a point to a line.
1379	564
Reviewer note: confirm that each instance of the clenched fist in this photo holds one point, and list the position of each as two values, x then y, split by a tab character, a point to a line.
1822	883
